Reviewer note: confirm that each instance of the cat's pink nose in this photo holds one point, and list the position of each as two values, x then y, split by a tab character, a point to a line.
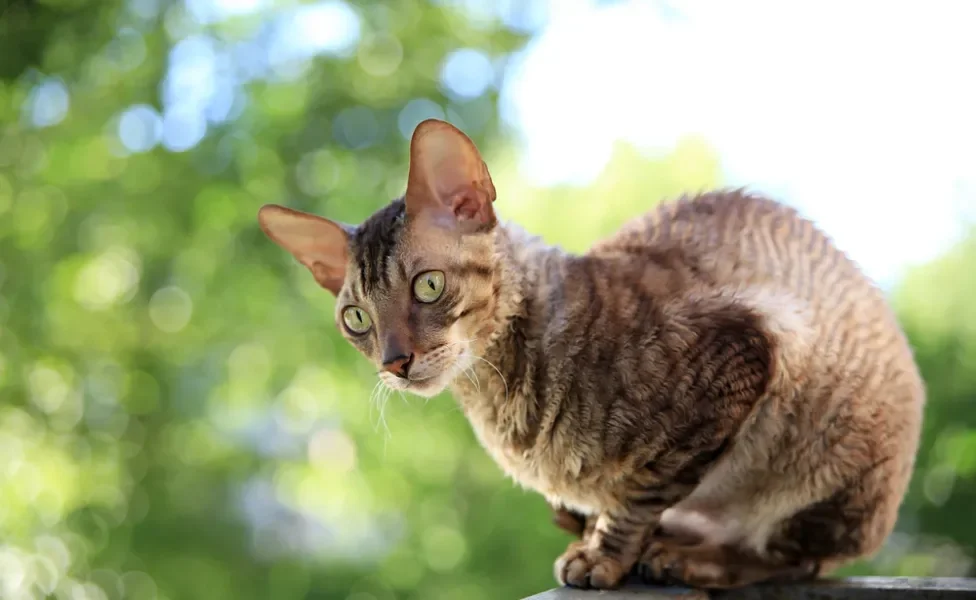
399	365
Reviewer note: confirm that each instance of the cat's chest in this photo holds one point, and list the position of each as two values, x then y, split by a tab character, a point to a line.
561	474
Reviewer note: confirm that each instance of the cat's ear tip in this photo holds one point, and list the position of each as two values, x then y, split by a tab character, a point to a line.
266	219
269	213
269	209
431	125
271	217
432	122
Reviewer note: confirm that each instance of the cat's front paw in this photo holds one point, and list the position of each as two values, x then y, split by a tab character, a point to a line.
584	567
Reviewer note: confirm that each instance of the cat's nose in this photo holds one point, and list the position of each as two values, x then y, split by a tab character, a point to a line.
399	365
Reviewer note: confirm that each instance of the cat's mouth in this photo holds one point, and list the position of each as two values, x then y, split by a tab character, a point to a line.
426	384
431	372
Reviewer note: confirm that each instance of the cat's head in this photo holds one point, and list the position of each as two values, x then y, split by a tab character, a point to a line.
416	282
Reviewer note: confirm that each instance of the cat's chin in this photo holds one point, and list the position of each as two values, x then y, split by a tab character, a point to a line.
425	388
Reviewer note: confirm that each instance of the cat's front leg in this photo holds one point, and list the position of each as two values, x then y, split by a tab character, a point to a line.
602	558
613	541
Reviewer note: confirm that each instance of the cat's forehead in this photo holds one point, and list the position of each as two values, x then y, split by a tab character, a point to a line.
387	250
373	245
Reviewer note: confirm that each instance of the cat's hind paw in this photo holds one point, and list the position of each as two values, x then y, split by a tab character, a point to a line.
583	567
665	564
714	568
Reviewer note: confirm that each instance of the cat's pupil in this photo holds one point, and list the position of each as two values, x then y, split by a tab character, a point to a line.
430	282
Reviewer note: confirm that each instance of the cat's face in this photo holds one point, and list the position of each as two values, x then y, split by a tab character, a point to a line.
416	281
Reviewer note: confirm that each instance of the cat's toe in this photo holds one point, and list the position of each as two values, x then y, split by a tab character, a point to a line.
584	568
568	558
707	567
665	563
607	573
660	565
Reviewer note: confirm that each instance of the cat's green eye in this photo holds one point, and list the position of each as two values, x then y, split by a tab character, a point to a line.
356	319
429	286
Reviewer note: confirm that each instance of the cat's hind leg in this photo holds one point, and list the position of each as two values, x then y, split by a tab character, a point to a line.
842	463
718	567
572	522
774	519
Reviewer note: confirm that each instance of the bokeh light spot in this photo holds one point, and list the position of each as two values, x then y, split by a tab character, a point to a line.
444	548
380	55
357	127
467	73
145	9
524	16
128	50
45	574
170	309
316	172
13	573
249	363
210	11
415	111
331	27
938	484
55	550
140	128
137	584
183	129
332	448
108	279
192	75
49	388
48	103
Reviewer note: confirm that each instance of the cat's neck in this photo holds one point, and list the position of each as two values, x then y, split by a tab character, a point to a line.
528	270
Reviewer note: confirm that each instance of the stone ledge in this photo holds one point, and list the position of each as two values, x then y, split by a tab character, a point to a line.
855	588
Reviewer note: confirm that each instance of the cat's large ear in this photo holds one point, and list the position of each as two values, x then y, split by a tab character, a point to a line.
448	179
319	244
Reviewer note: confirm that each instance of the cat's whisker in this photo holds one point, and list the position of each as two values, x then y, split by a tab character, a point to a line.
373	396
377	399
472	376
497	370
385	398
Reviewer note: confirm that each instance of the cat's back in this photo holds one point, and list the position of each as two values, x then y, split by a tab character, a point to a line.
766	255
734	238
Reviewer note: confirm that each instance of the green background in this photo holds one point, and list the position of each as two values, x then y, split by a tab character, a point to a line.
179	417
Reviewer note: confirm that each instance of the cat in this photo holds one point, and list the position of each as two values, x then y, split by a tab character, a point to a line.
714	396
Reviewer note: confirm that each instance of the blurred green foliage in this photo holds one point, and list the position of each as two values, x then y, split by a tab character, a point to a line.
178	416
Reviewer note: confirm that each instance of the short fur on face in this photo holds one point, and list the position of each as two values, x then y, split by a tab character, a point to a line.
444	224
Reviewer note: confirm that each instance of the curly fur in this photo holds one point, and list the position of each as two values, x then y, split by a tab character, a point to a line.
714	395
